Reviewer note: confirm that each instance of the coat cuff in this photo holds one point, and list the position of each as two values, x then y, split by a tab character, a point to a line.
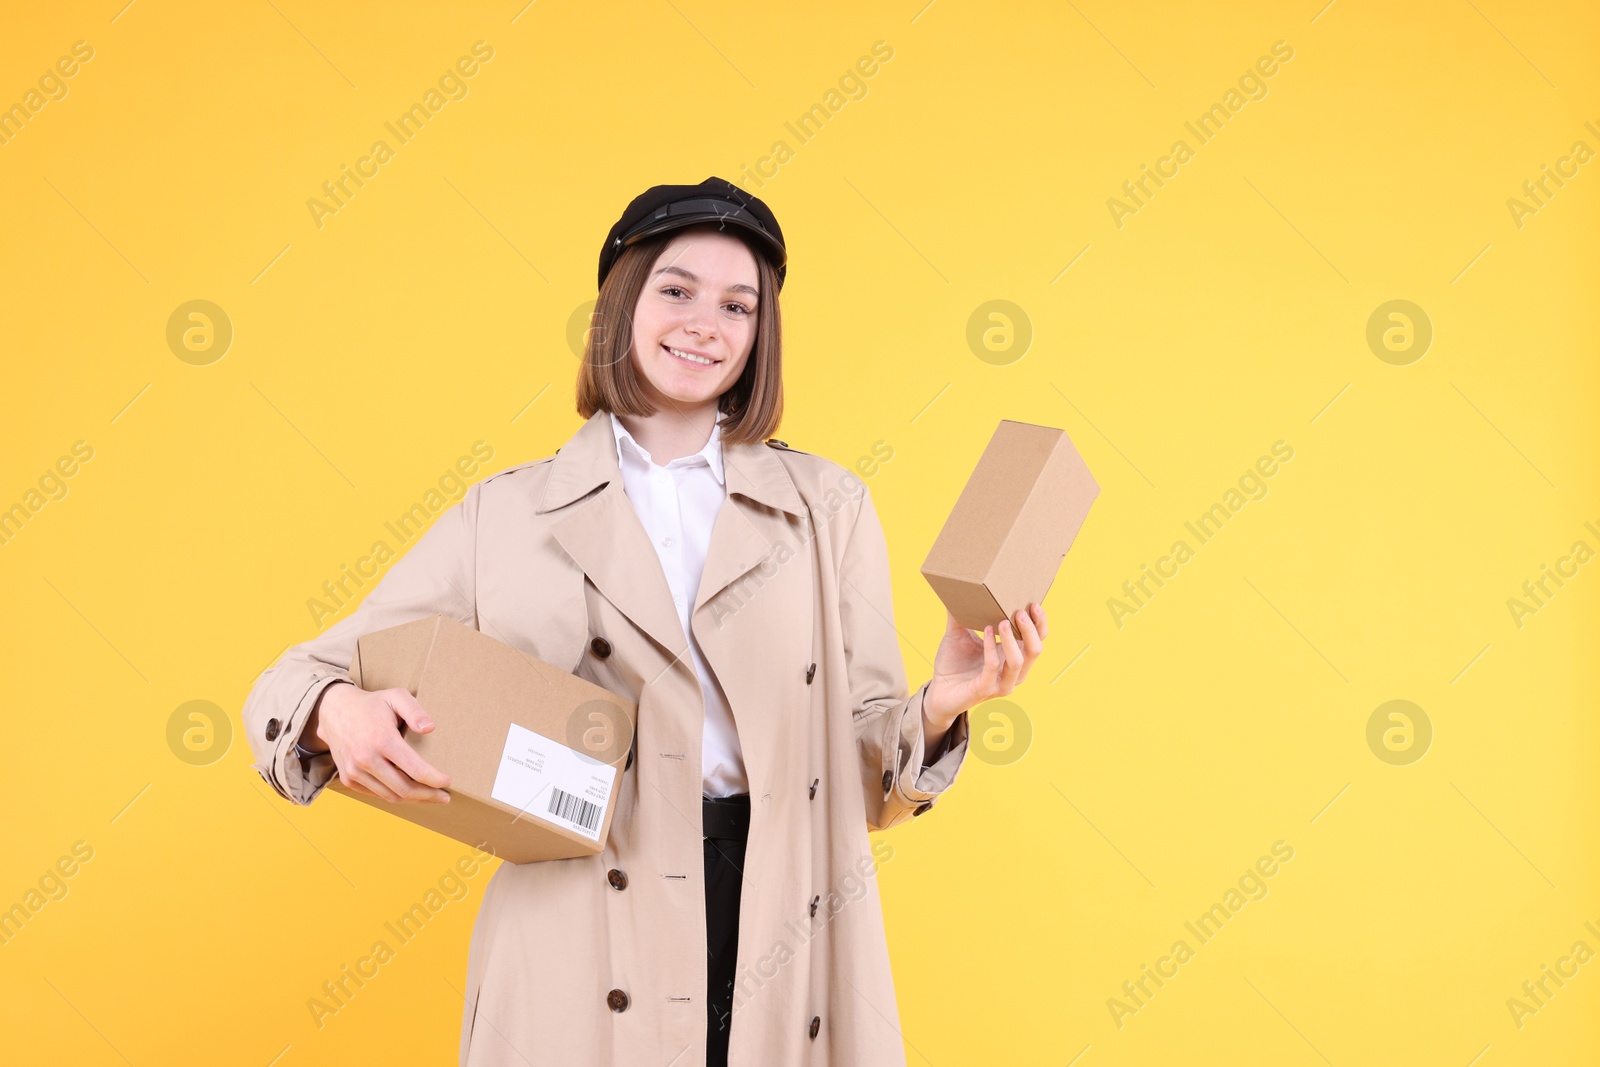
917	776
294	776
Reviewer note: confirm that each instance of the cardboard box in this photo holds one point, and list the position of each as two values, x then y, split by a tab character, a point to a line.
535	755
1011	527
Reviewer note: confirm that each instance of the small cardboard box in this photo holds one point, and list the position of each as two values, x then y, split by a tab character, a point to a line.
1011	527
535	755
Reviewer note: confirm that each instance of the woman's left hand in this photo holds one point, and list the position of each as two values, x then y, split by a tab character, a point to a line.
969	669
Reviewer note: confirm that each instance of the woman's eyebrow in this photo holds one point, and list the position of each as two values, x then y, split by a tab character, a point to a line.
740	288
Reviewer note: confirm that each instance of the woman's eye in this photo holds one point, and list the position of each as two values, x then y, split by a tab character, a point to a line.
674	291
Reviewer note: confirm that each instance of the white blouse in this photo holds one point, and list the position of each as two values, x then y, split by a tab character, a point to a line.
677	502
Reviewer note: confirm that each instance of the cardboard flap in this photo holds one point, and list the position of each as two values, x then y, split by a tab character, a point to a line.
394	658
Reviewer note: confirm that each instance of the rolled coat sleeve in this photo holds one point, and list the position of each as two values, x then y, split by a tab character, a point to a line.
899	778
435	577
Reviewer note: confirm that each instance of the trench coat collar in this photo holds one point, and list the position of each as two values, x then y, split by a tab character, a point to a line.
711	452
604	536
589	459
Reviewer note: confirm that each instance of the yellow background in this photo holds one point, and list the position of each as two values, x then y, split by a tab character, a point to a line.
1228	313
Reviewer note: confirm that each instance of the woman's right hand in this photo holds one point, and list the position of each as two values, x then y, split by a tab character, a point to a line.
361	730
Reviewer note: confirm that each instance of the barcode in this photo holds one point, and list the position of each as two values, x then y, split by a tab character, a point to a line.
564	805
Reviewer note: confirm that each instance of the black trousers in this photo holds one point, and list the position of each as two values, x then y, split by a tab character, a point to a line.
727	827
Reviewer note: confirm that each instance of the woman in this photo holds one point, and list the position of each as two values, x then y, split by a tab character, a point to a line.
739	592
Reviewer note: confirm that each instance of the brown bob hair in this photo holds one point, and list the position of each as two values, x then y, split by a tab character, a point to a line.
751	407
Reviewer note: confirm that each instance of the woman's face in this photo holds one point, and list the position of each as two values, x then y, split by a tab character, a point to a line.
699	299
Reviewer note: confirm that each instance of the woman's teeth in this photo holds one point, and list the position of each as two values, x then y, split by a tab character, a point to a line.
698	360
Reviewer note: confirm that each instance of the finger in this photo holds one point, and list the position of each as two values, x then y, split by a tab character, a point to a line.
416	768
356	777
1028	642
1044	624
405	705
1013	653
953	627
397	781
1032	639
1032	643
356	787
991	661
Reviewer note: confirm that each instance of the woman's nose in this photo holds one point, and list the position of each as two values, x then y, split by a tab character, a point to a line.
702	320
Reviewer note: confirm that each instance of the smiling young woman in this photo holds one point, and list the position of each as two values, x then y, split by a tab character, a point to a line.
738	592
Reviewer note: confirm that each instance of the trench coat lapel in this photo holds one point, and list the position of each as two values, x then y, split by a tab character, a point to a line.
758	486
749	651
604	536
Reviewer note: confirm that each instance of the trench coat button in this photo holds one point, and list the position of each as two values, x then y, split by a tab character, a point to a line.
814	902
618	880
924	806
617	1000
814	782
600	647
272	729
810	673
888	780
816	1024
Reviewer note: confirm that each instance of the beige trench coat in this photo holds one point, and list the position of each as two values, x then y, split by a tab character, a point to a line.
794	616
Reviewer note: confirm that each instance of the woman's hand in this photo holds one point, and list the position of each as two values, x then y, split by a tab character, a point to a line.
361	730
967	670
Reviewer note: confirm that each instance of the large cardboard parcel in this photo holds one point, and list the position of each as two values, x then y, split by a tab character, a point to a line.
535	755
1012	525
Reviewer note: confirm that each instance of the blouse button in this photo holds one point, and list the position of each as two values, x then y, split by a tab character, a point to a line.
600	647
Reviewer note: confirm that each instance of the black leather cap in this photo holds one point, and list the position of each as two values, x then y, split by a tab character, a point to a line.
672	207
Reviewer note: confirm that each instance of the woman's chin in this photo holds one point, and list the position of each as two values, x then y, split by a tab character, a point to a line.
687	392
